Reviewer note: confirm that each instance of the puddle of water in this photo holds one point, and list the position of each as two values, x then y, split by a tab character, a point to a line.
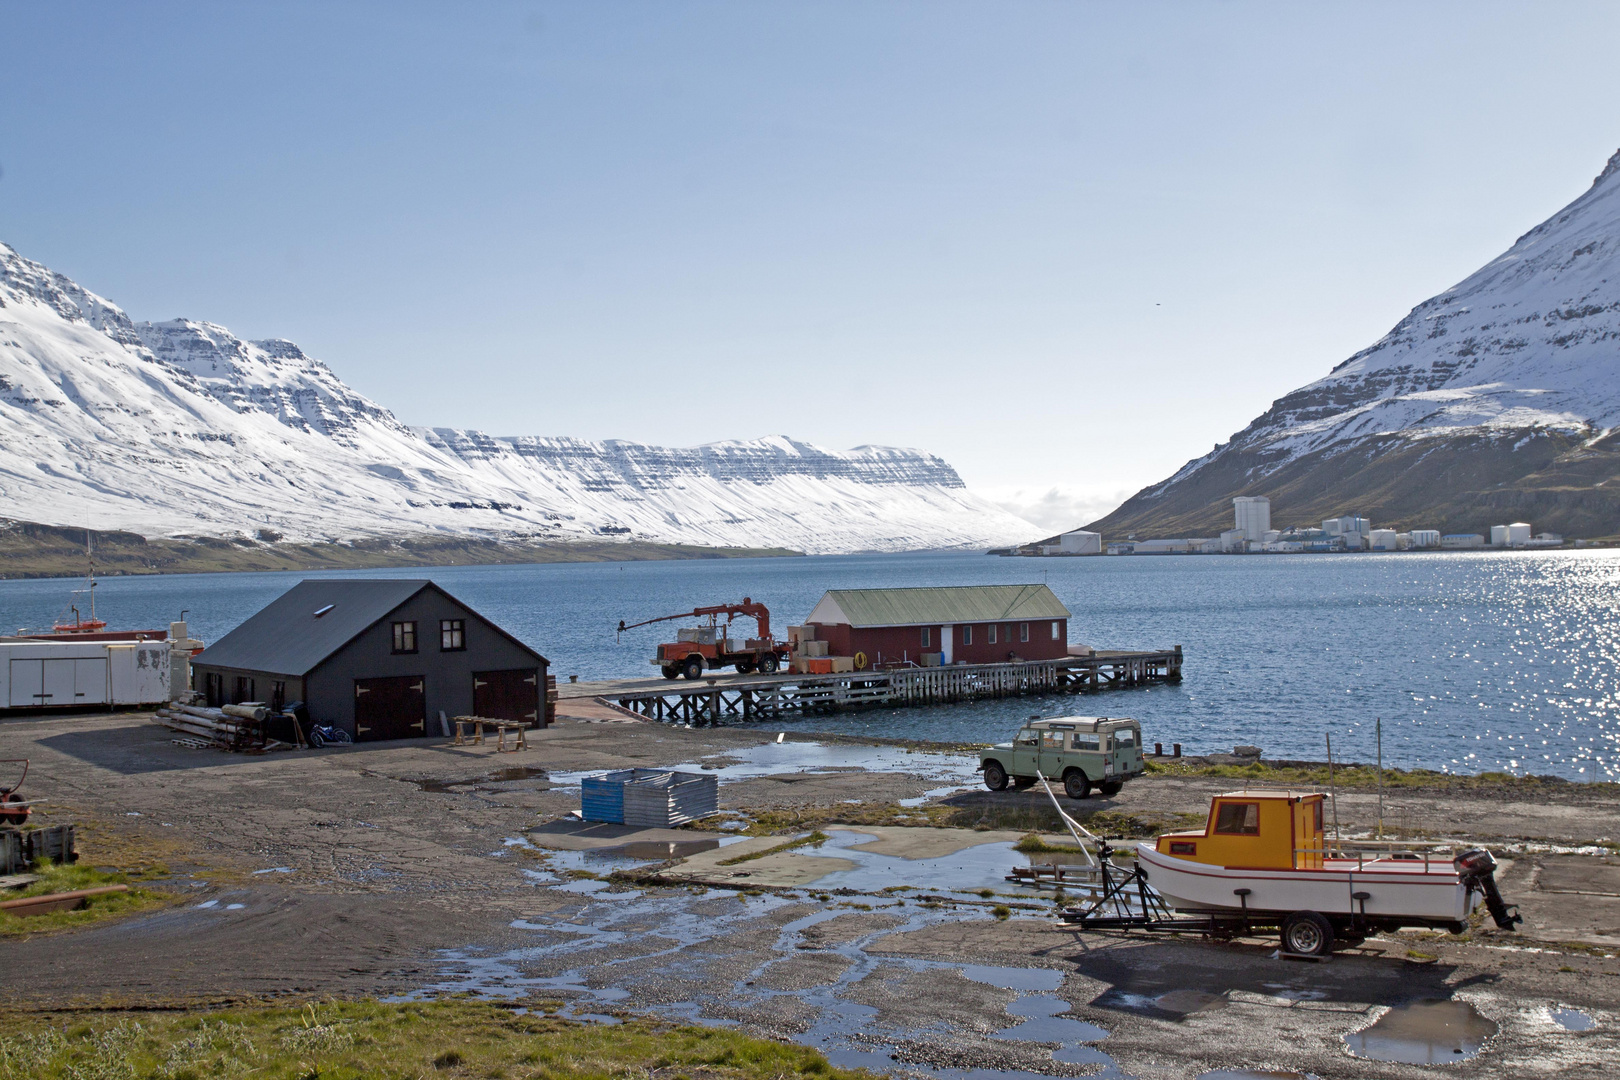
982	866
660	851
954	772
273	870
1424	1033
1037	980
234	907
208	904
1572	1019
1254	1074
1056	1029
1187	1002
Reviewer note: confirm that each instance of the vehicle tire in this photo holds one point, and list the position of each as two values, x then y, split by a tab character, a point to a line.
767	664
1110	788
995	777
1022	782
692	668
745	667
1307	934
1076	784
670	671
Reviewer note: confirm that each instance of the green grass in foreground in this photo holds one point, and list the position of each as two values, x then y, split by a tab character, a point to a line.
67	878
368	1039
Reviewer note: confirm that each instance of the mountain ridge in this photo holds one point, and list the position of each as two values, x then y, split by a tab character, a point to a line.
1497	397
180	427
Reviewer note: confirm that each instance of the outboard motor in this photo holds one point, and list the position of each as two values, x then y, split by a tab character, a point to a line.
1477	869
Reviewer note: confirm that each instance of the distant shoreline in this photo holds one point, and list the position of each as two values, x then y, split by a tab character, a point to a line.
32	550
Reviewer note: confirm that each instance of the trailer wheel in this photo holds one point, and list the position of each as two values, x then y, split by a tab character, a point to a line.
693	667
1110	788
670	671
995	777
1076	784
767	664
1307	934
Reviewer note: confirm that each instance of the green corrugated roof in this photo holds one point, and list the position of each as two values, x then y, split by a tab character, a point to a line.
960	604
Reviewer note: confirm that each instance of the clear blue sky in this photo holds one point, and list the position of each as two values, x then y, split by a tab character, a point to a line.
1066	246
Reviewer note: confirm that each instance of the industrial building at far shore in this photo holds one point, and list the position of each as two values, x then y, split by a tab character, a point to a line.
1251	534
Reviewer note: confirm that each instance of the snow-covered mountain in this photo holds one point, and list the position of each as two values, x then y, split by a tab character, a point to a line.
1501	394
181	428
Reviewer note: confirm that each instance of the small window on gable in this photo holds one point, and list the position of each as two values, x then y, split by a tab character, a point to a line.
1054	631
1239	818
452	635
927	637
1023	631
992	638
405	637
967	635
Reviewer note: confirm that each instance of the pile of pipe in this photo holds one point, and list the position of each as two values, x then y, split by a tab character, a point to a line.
230	727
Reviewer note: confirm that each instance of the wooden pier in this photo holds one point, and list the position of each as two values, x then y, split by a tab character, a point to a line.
743	699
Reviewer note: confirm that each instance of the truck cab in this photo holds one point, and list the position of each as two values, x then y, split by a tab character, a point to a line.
1081	751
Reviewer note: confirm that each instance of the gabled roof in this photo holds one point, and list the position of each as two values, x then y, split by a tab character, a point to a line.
930	606
287	637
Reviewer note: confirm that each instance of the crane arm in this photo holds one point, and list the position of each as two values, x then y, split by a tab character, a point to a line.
758	612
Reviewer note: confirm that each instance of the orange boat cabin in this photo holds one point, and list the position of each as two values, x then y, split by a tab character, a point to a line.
1256	830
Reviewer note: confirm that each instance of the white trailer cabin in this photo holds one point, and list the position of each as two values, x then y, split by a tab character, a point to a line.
36	674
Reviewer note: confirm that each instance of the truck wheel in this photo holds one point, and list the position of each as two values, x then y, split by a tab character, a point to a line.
693	667
995	777
1076	784
1307	934
670	671
744	667
767	664
1110	788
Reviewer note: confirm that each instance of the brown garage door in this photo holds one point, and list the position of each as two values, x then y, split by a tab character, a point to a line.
508	695
393	708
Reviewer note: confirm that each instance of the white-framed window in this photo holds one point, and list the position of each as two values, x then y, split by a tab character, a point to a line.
1023	631
967	635
1054	631
927	637
992	638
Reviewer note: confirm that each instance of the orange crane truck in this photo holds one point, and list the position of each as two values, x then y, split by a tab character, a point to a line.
712	646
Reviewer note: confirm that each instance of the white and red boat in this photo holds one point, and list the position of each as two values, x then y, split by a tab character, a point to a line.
1263	859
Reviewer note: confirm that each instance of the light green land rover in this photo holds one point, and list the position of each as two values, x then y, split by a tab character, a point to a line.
1082	751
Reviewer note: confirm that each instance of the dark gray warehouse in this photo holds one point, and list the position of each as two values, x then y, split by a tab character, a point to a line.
379	658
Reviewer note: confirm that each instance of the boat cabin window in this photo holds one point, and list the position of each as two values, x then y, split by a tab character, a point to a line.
1086	741
1242	818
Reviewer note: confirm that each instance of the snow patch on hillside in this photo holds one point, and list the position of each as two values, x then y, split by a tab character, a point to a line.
180	427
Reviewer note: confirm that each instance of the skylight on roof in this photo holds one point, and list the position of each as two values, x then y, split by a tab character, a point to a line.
324	610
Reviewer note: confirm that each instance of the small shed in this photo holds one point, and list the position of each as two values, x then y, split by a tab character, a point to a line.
964	624
379	658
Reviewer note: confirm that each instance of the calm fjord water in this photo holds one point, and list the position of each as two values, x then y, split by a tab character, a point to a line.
1474	661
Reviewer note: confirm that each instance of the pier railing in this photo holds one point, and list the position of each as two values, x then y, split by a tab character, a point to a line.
710	702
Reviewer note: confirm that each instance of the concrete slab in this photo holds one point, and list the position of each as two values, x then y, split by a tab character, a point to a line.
908	842
574	835
1582	875
792	869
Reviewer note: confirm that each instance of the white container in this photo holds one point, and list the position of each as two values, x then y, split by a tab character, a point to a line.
49	673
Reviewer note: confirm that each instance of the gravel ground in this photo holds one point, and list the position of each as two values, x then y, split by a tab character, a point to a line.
384	869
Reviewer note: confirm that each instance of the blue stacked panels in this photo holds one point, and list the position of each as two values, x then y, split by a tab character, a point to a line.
651	798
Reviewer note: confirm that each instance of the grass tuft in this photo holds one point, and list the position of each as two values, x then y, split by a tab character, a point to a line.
363	1039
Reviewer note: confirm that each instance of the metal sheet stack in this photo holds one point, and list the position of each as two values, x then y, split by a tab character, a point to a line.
649	798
